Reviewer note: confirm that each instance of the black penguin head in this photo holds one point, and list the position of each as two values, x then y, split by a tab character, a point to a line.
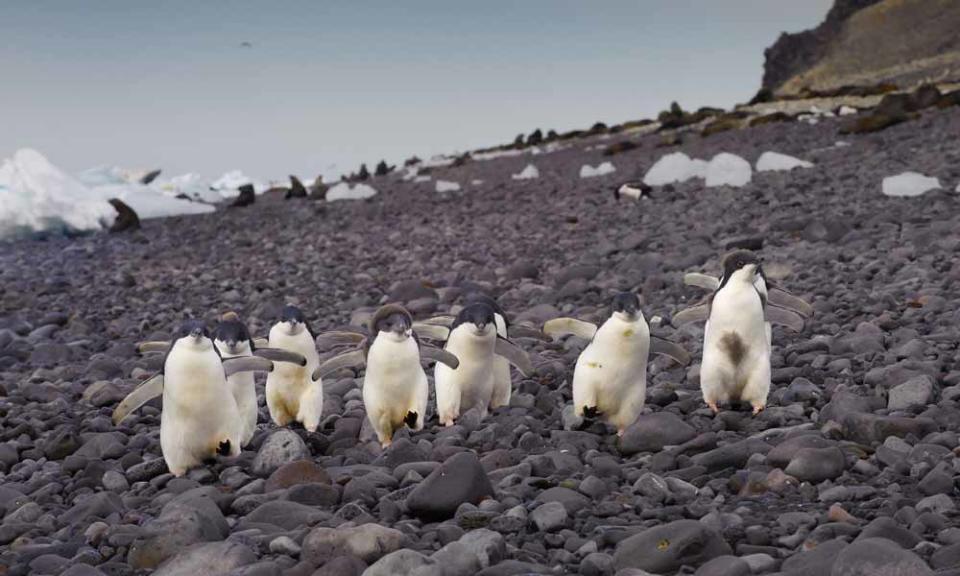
194	333
627	304
742	264
481	298
232	334
479	316
392	320
294	319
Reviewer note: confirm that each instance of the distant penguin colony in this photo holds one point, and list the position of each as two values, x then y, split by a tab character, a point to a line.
210	404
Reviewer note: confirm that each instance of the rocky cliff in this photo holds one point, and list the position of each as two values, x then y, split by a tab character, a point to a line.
867	42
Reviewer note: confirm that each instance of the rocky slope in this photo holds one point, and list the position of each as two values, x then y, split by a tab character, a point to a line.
869	42
853	463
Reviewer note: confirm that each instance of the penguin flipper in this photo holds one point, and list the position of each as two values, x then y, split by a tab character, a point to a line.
705	281
667	348
785	317
559	327
145	392
514	355
441	320
352	359
340	338
153	346
431	331
699	313
520	331
780	297
238	364
439	355
280	355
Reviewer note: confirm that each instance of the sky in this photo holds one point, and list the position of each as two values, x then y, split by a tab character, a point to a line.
323	86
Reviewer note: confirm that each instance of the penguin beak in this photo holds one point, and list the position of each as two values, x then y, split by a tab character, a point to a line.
196	333
231	345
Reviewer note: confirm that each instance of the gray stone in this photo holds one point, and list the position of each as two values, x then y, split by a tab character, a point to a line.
665	548
211	559
724	566
917	391
549	516
398	563
816	464
368	542
652	432
281	447
460	479
878	557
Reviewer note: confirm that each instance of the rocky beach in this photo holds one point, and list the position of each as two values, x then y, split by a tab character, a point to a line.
851	468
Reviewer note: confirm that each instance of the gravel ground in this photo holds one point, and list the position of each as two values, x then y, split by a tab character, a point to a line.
852	466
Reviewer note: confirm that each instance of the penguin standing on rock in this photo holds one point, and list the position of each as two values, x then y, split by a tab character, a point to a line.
395	388
292	394
199	419
737	337
610	378
474	340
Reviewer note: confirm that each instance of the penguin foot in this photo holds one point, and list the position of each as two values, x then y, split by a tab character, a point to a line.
386	443
757	409
621	432
713	406
410	419
223	448
590	412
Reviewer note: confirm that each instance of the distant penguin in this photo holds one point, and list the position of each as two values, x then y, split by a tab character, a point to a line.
634	190
474	341
610	378
292	394
199	419
395	388
737	336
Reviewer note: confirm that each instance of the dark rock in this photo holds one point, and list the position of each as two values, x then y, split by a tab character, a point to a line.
876	557
665	548
653	432
459	479
294	473
817	464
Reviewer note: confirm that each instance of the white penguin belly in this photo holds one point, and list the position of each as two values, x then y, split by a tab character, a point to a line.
610	374
290	387
199	410
736	343
471	383
394	383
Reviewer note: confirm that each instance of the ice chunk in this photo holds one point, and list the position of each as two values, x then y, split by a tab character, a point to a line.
674	167
151	201
848	111
587	171
529	173
231	181
909	184
728	170
344	191
447	186
194	187
774	161
36	196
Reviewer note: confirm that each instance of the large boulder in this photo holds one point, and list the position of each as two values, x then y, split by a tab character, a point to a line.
664	549
653	432
461	478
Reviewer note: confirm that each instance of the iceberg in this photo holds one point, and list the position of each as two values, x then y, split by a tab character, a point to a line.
36	196
727	169
343	191
773	161
587	171
909	184
529	173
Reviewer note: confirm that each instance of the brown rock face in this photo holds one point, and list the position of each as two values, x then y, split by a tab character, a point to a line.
868	42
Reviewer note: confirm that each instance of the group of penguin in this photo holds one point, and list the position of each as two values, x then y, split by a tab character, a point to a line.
210	403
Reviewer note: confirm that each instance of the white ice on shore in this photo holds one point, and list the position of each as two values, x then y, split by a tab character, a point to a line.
847	111
727	169
230	182
529	173
774	161
909	184
192	186
148	201
35	196
587	171
343	191
447	186
675	167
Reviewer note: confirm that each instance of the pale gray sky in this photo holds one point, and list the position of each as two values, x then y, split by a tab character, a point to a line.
327	85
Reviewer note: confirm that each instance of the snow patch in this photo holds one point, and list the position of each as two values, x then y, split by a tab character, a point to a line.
447	186
192	186
149	201
728	170
229	183
848	111
529	173
587	171
909	184
343	191
421	179
774	161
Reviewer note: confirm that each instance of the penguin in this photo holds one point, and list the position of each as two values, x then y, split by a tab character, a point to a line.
737	336
292	394
610	377
233	340
502	382
199	419
473	339
395	388
634	190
